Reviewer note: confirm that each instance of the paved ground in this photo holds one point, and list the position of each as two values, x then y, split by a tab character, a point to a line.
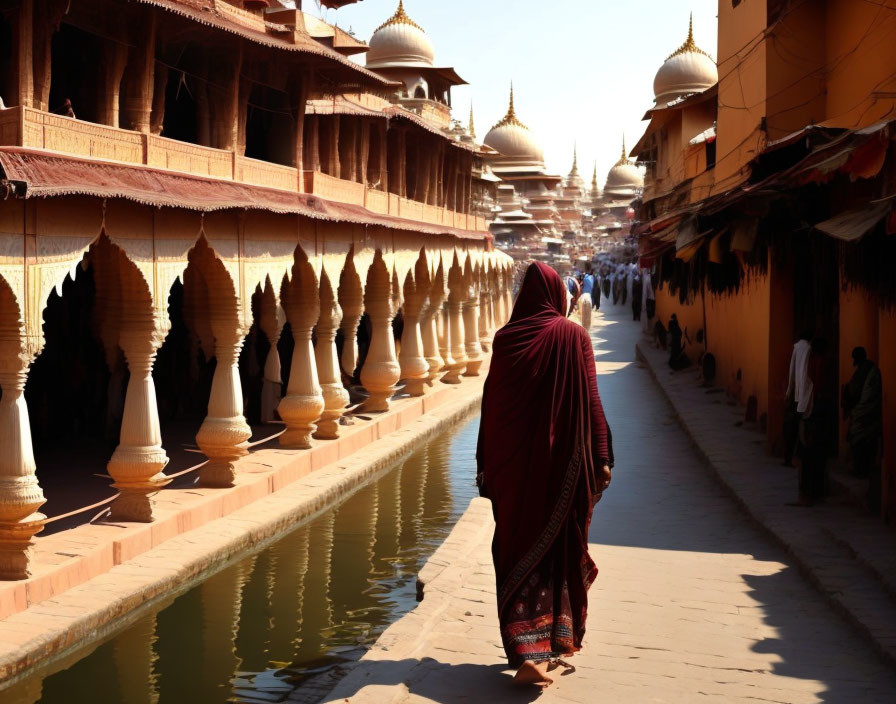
693	602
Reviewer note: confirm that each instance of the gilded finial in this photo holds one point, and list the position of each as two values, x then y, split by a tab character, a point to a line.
623	159
510	118
689	46
472	129
575	160
400	17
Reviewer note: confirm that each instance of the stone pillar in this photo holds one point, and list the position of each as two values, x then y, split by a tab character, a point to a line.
429	326
485	314
381	371
471	325
508	294
499	302
271	320
414	368
20	494
137	463
303	404
351	300
455	333
224	434
335	396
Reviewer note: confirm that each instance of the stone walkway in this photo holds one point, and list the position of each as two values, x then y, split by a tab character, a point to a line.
693	602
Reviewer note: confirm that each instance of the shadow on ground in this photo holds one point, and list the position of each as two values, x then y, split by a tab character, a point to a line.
440	682
664	498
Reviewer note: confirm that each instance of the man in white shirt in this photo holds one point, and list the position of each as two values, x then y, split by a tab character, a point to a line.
799	394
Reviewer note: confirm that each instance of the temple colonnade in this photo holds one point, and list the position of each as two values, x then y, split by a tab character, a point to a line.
325	282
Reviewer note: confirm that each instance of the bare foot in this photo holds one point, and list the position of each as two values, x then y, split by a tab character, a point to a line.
533	673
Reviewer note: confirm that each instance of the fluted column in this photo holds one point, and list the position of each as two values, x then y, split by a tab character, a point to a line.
224	434
20	494
429	326
351	300
485	320
508	294
455	333
271	320
499	302
137	463
334	394
414	368
303	404
472	346
381	370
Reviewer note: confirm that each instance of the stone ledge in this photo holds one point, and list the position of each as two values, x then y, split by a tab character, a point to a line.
56	631
847	555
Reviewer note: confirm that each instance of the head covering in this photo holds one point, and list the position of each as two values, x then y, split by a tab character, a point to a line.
542	432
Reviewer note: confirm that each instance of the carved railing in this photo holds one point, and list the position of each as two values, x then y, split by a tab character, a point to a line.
36	129
263	173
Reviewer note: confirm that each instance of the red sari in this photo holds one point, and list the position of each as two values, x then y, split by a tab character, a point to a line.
542	442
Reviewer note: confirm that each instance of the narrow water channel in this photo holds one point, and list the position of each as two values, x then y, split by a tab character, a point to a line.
283	623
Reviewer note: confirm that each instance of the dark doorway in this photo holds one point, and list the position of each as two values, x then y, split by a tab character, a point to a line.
270	127
76	60
181	120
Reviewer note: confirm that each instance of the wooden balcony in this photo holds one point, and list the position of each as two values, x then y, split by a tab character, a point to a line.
34	129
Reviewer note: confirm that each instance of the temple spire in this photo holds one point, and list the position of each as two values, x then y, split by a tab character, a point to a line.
623	159
472	128
510	118
594	178
575	160
689	46
400	17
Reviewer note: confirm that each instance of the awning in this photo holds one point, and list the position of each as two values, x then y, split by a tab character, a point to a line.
855	224
50	175
204	12
340	105
404	114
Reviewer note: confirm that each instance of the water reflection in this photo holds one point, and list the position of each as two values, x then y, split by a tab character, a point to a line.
281	623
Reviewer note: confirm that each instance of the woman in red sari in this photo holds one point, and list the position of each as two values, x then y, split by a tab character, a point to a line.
544	460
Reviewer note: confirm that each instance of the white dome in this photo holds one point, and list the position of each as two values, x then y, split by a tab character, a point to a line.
624	176
689	70
400	42
512	139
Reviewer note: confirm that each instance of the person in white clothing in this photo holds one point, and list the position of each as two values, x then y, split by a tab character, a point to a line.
799	394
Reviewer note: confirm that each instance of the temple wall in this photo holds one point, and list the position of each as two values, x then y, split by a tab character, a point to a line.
742	346
859	322
737	334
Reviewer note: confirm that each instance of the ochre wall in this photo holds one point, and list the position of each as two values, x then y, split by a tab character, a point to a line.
861	54
742	76
858	327
795	75
690	315
737	327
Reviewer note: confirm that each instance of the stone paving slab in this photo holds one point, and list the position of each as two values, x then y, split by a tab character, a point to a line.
60	626
848	554
693	601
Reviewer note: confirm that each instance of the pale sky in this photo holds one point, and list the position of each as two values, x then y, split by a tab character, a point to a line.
582	69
